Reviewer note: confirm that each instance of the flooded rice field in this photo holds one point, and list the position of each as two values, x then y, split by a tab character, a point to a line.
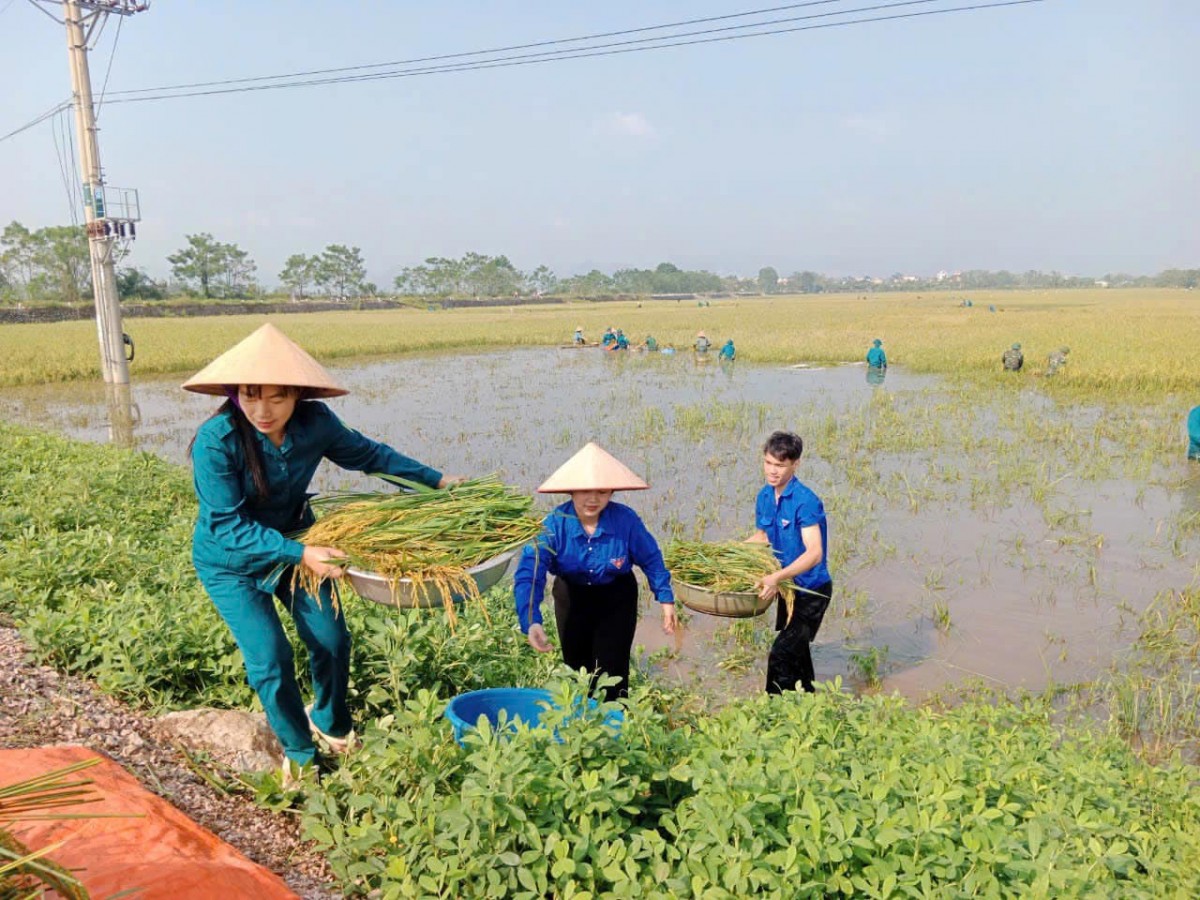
978	534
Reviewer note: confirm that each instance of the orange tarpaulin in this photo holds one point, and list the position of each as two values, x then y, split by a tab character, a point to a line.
153	847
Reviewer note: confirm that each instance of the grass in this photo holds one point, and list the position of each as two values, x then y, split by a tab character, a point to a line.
1123	341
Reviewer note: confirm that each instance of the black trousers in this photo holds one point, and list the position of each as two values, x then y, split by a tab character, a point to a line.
790	659
595	628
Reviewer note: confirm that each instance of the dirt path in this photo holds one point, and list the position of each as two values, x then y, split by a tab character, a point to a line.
39	706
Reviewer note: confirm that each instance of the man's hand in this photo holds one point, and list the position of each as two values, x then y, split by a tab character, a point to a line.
448	480
538	640
768	587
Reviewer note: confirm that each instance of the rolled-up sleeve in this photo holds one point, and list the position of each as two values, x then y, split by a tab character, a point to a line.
529	581
247	545
351	450
643	548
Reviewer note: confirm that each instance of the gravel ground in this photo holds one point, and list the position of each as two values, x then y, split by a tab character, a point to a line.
39	706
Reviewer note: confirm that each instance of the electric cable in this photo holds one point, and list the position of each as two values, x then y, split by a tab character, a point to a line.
586	52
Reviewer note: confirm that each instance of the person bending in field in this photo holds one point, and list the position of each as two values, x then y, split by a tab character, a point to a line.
791	518
1056	360
1012	359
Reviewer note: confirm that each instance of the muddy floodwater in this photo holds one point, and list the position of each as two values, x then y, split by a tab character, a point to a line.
975	535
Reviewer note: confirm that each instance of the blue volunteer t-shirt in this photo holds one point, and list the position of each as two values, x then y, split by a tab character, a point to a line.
797	508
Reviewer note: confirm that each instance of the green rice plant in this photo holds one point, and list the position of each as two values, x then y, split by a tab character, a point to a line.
869	664
941	615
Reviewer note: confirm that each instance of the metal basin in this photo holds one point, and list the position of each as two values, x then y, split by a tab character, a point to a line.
401	592
720	603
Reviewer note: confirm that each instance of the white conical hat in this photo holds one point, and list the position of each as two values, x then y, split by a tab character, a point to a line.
592	469
268	356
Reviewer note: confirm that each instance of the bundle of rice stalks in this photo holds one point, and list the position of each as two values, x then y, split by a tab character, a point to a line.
727	567
430	537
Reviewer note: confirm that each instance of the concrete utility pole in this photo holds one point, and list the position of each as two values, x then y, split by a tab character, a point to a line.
105	226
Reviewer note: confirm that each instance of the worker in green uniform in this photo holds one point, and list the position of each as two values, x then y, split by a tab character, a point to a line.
1012	358
1056	360
252	463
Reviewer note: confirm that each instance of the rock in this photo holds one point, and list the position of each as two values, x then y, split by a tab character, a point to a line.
240	739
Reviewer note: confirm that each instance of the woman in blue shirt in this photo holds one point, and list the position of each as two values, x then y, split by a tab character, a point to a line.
253	461
591	545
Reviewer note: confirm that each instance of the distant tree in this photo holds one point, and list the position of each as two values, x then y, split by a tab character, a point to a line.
199	264
134	284
298	273
48	264
768	280
341	271
543	281
807	282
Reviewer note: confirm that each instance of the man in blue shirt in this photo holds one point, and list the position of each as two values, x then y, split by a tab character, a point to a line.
591	545
791	518
728	352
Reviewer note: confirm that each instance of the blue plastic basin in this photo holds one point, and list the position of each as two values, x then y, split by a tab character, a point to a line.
517	704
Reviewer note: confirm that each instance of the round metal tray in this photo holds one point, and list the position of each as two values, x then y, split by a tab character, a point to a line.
401	593
720	603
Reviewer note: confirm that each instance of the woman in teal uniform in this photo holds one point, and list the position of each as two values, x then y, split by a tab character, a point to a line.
253	461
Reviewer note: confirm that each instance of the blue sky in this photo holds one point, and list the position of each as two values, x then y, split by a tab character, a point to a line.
1059	135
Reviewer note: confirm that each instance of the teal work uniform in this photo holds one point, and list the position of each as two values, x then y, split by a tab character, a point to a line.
651	343
1193	423
608	338
620	342
238	542
876	358
728	351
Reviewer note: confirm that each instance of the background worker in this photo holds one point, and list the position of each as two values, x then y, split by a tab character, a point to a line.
1193	426
791	518
1056	360
579	335
650	344
728	352
608	338
253	461
591	545
876	358
702	344
619	342
1013	358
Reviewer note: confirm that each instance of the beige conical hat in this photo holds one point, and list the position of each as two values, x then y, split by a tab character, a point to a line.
592	469
268	356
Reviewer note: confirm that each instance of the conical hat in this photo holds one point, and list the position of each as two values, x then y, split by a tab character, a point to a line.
592	469
268	356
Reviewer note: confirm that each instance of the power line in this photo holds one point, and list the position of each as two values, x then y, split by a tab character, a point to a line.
494	50
108	71
65	104
588	52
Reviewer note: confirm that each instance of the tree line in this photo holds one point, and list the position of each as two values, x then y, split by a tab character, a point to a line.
52	265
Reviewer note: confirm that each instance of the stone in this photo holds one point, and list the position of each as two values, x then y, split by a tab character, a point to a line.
237	738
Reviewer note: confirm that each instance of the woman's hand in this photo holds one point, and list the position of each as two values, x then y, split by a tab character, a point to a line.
768	586
669	620
315	560
538	640
448	480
